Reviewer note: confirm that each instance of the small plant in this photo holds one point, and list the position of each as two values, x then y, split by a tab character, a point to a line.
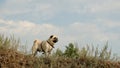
104	54
71	51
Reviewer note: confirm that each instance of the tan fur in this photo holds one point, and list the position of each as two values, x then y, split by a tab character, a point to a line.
43	46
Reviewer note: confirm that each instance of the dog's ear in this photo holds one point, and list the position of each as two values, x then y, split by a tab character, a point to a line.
51	36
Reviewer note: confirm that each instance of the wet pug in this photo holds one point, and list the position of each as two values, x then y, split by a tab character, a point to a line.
44	46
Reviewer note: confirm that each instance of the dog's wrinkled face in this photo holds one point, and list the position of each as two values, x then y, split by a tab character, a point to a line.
54	38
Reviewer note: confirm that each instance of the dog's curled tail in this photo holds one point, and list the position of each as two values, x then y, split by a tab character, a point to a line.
35	41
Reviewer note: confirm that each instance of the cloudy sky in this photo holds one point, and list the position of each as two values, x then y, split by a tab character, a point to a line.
81	21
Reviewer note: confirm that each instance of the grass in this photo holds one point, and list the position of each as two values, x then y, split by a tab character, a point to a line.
11	56
9	43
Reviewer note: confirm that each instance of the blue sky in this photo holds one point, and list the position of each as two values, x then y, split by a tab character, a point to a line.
81	21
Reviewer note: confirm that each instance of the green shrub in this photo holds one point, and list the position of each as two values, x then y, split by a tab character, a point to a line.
71	51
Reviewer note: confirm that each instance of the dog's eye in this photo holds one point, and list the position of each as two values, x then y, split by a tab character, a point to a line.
51	36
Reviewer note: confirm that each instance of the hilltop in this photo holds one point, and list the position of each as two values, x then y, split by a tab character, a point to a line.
11	57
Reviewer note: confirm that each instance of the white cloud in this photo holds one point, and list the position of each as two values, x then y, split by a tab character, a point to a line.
92	6
33	8
106	6
89	31
108	23
85	27
26	27
111	24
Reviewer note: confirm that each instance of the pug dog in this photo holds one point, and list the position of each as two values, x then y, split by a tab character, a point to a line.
44	46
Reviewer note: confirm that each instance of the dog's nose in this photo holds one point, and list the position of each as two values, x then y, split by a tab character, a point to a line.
55	39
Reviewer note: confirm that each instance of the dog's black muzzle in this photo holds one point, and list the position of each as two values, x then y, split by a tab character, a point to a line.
55	40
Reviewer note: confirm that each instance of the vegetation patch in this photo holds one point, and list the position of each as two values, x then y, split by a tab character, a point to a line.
72	57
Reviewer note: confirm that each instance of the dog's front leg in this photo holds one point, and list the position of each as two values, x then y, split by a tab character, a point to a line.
46	54
49	53
34	53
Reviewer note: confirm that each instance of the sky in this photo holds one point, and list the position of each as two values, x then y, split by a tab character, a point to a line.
92	22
